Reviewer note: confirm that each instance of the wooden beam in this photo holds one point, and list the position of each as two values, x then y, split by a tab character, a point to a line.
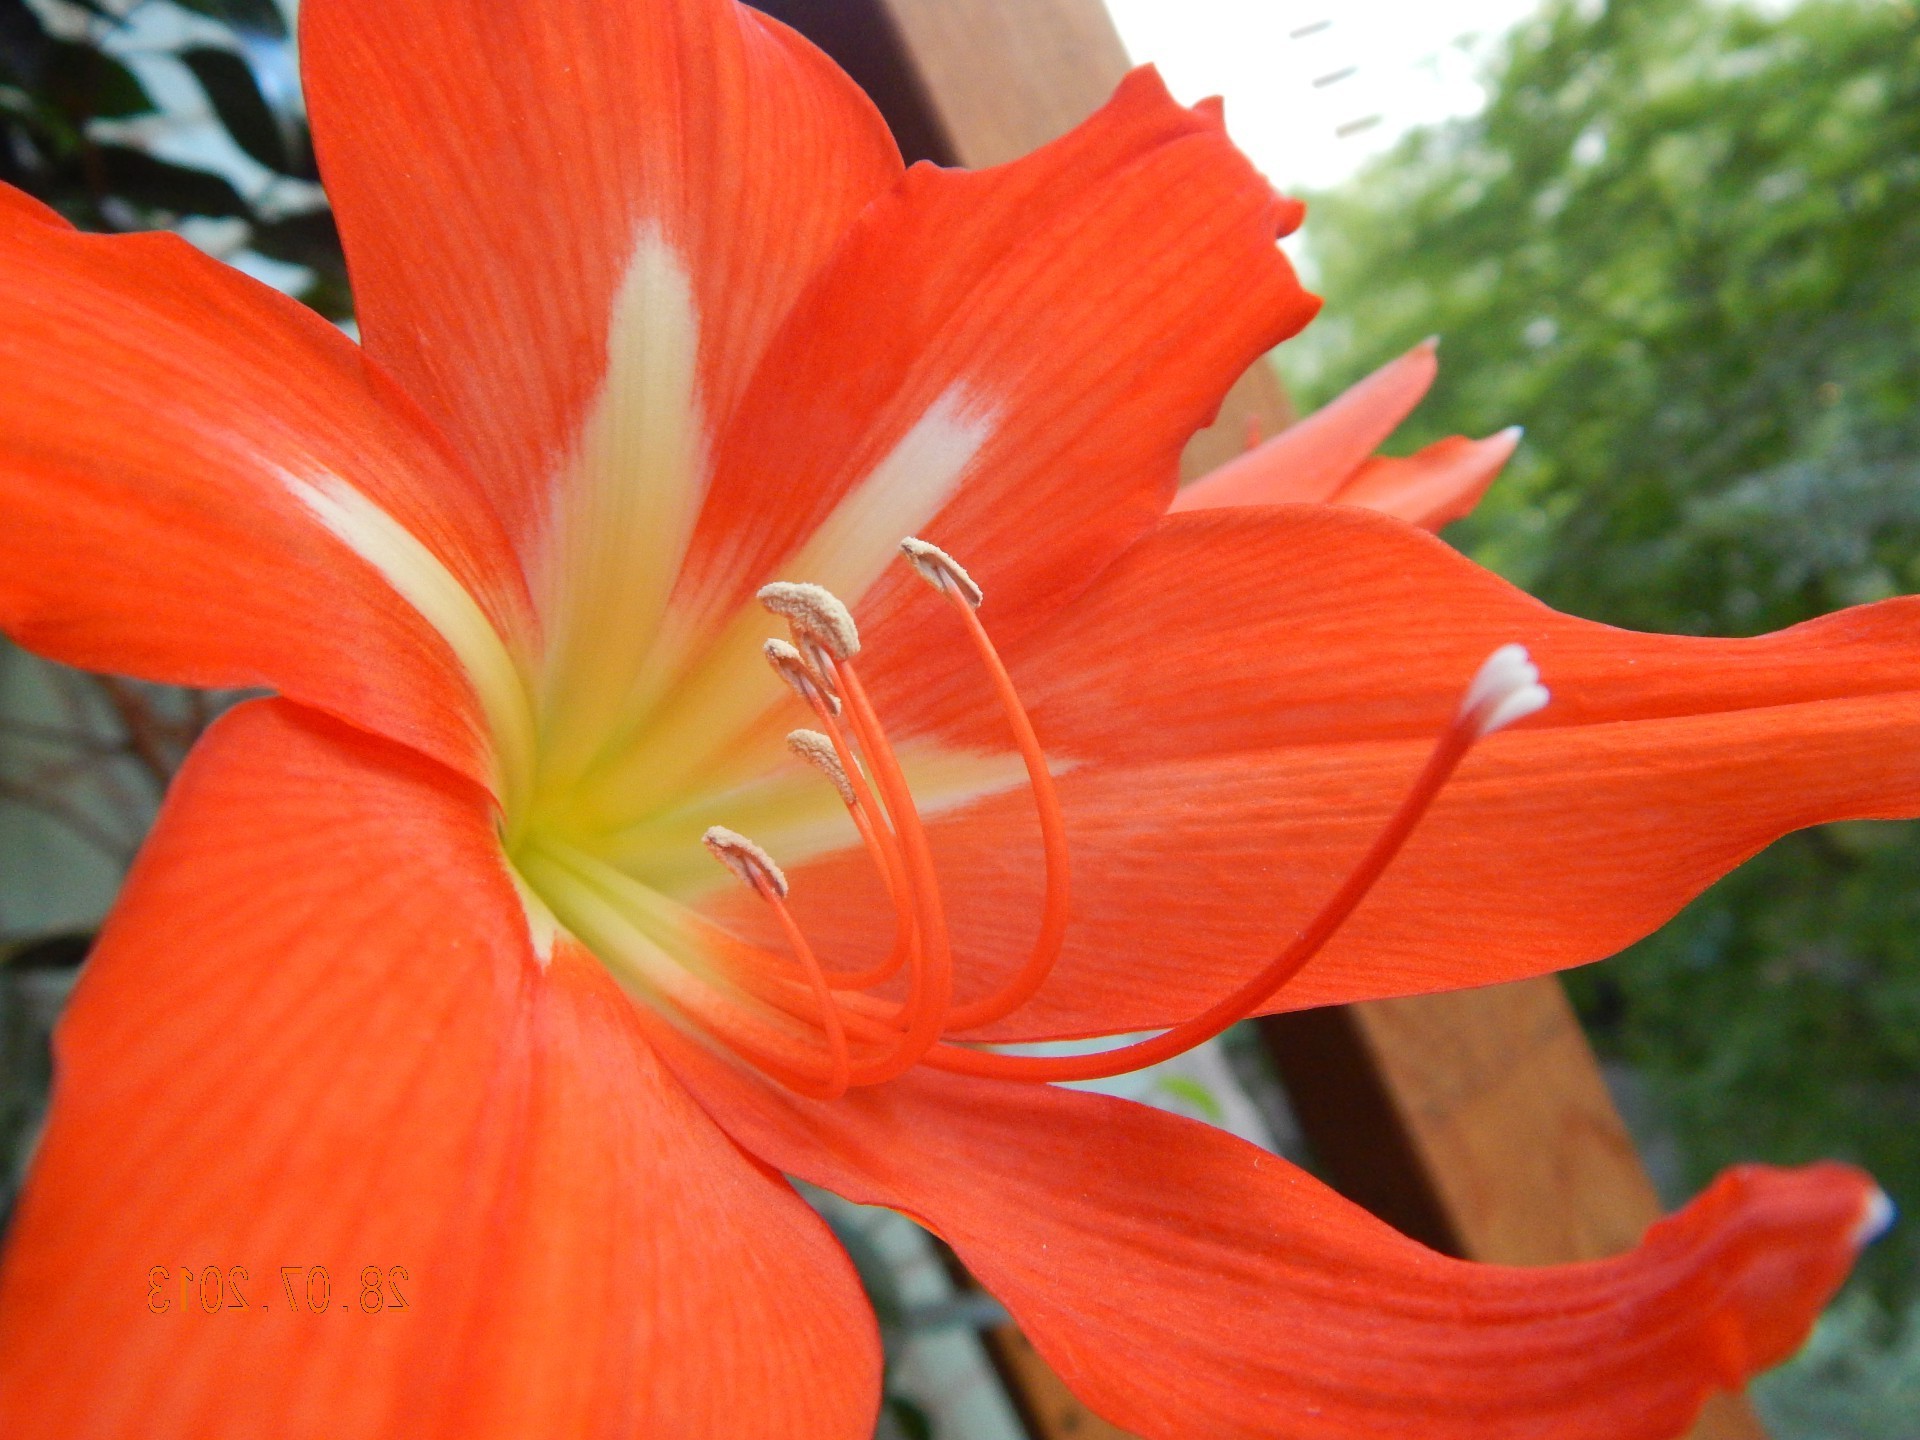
1048	1408
1476	1121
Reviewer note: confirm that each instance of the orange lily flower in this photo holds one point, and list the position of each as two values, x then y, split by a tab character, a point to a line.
1329	456
424	979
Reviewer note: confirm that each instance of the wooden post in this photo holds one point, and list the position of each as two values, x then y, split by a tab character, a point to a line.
1475	1121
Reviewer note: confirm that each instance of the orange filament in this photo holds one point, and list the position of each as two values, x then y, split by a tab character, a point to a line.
869	1039
1053	839
1245	1001
884	848
930	989
841	1071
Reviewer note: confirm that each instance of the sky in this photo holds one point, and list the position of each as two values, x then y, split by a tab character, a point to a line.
1383	66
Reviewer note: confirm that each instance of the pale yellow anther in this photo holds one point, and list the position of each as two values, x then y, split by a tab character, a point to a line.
807	682
816	614
941	570
817	750
753	866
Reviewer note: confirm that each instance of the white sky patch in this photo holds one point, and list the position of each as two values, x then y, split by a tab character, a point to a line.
1315	87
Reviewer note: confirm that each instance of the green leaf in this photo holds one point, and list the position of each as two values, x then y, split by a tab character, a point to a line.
233	86
1186	1088
261	17
153	184
310	239
87	83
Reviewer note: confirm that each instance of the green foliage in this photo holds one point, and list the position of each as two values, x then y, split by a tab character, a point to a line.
1858	1378
60	97
1681	247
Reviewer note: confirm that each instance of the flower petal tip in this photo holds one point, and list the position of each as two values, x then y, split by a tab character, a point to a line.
1876	1218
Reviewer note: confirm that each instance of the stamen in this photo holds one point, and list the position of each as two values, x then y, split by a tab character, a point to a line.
830	1018
816	614
597	901
944	573
869	1039
808	683
1514	675
750	864
930	991
815	749
884	849
1507	688
756	868
941	570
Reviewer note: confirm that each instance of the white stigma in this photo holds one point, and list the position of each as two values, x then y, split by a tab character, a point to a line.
816	615
1507	689
817	750
745	859
941	570
791	666
1876	1218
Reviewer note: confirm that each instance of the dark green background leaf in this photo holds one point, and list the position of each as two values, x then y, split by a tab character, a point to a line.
234	89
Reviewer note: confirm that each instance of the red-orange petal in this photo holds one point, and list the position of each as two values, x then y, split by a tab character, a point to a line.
314	1034
1313	458
1434	486
156	406
494	163
1083	309
1240	701
1184	1283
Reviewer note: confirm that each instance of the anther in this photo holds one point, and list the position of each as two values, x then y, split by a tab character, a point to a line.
817	750
753	866
816	614
941	570
810	684
1507	688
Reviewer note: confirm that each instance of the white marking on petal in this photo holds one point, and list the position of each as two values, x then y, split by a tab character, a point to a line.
419	577
543	927
626	505
846	555
856	543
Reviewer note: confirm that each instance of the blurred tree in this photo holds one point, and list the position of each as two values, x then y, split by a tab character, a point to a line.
1681	246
